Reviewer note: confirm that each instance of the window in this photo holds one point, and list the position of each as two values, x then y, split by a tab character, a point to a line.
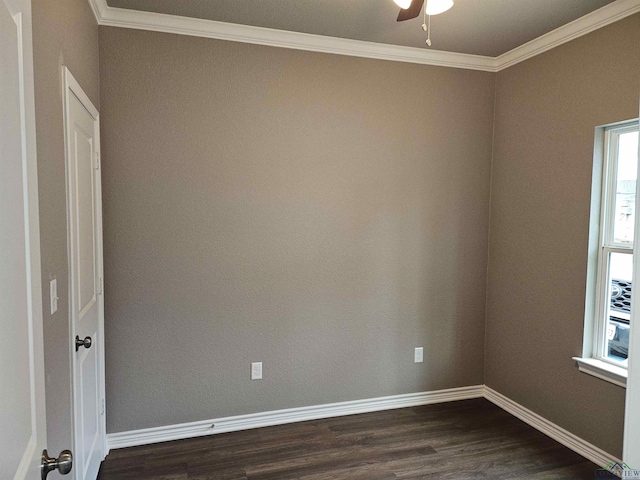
607	342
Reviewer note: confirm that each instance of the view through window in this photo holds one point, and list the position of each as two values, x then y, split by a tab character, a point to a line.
616	263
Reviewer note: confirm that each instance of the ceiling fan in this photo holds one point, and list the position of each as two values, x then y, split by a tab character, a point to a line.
412	8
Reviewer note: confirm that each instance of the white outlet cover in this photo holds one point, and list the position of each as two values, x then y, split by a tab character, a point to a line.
418	356
256	371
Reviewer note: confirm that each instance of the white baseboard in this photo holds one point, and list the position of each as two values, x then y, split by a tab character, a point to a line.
302	414
550	429
290	415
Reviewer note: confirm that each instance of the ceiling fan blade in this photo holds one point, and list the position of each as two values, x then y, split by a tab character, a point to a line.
412	12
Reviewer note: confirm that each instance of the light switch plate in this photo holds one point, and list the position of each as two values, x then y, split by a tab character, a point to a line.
53	295
418	356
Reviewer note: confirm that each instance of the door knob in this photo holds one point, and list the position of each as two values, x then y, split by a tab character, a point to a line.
86	343
63	463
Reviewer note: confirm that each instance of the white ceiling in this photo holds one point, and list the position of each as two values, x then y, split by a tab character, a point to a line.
480	27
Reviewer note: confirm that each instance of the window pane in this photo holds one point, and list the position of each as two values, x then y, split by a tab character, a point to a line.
626	187
617	334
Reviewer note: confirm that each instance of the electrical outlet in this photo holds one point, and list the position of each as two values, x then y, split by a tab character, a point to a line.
418	355
256	371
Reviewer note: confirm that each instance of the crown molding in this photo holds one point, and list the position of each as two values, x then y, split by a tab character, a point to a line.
159	22
581	26
99	9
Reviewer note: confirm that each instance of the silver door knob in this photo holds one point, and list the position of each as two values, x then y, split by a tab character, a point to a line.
86	343
63	463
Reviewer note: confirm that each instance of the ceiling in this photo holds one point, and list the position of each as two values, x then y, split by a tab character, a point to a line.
479	27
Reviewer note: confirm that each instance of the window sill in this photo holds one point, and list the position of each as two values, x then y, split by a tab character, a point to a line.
603	370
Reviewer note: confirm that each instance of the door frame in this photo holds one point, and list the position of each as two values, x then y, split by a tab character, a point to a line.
21	11
72	87
631	442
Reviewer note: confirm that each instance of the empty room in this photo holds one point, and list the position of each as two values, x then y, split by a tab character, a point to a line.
311	240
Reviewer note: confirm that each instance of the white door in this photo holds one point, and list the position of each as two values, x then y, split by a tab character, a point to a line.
22	403
85	271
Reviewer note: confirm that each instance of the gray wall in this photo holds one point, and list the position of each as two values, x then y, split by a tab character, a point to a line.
322	214
546	111
64	33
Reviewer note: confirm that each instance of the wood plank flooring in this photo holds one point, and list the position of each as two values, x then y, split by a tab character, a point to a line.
468	439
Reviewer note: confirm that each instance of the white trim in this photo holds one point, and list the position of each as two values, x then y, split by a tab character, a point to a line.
99	8
581	26
599	319
603	370
631	443
27	459
72	85
159	22
289	415
21	12
559	434
292	415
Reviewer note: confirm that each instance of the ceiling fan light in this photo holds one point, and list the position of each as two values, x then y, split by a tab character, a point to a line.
434	7
403	4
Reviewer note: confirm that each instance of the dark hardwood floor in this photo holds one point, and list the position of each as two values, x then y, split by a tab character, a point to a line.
460	440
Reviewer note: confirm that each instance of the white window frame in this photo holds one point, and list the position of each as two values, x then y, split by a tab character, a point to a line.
595	360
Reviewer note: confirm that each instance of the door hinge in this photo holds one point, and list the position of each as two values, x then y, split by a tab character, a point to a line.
100	286
102	409
97	160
